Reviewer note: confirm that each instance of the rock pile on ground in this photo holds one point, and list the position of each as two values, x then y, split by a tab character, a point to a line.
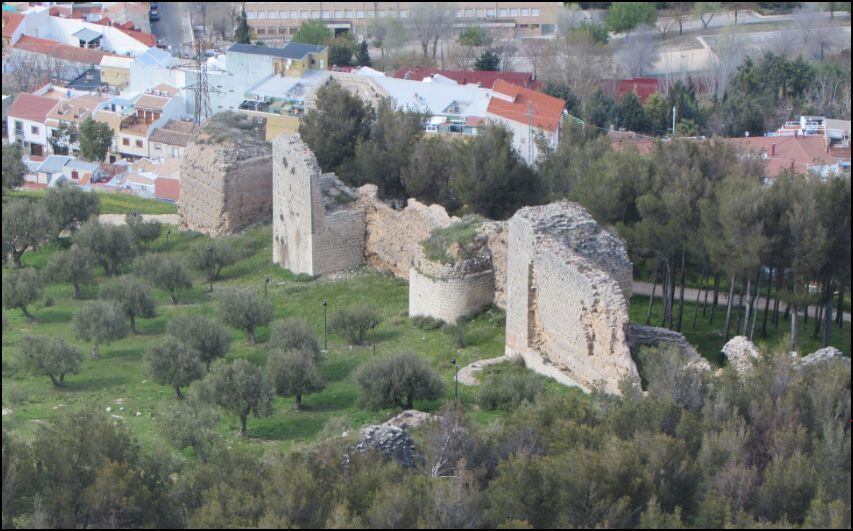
740	353
391	441
823	355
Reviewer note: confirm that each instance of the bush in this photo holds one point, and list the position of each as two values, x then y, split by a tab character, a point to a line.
506	389
461	234
353	323
398	381
294	333
15	393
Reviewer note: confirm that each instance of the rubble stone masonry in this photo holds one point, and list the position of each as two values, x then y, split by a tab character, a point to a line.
450	291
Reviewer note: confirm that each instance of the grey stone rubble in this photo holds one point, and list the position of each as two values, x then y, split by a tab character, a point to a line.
409	420
640	335
823	355
740	353
390	441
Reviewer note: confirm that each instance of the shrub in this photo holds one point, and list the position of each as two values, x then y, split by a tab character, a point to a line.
353	323
294	333
424	322
508	389
398	381
461	234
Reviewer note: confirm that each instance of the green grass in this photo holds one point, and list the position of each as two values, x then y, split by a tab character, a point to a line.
116	203
462	232
120	373
708	338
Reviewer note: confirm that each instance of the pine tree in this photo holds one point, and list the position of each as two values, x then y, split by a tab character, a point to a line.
362	58
242	34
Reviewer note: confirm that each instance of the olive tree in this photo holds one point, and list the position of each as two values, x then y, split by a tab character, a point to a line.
202	334
243	310
353	323
209	258
293	372
111	245
50	356
191	423
398	381
293	333
100	322
238	387
21	288
132	295
144	232
165	272
73	266
26	226
68	206
174	363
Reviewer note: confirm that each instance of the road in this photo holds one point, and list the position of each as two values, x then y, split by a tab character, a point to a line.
645	288
174	25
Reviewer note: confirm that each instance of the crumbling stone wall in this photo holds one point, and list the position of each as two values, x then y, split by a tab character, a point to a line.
567	312
226	176
310	235
642	335
450	291
496	233
393	236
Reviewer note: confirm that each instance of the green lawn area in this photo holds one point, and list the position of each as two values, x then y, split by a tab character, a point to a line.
116	203
120	373
708	338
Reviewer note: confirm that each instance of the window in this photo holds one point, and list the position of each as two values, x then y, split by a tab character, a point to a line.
315	14
404	13
34	129
261	31
458	12
303	14
157	147
250	15
359	13
381	12
125	141
327	14
349	13
469	12
262	15
175	153
139	143
490	12
502	12
481	13
75	175
339	13
369	12
294	14
19	126
513	12
525	12
534	12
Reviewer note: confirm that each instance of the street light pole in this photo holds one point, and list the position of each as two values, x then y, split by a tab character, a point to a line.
456	392
266	283
210	267
325	335
373	327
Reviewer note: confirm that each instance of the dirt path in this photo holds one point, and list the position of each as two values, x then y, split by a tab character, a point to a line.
118	219
645	288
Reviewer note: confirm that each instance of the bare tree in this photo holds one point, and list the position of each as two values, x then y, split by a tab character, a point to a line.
200	12
221	17
25	71
576	61
638	52
731	51
706	11
534	50
430	21
503	45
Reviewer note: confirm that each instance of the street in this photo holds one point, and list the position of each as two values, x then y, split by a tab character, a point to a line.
174	25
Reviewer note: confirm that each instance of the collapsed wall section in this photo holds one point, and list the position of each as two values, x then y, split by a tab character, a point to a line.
226	176
567	312
306	237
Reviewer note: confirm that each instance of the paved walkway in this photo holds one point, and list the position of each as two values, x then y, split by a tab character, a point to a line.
645	288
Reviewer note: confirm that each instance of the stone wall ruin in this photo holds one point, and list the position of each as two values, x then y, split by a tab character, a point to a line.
226	176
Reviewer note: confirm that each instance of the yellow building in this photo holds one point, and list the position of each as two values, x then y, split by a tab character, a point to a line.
115	71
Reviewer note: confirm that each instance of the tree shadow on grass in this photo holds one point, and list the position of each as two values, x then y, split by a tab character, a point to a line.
338	368
94	384
295	425
52	315
337	400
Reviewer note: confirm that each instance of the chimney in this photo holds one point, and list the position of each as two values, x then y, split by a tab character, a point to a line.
773	149
792	164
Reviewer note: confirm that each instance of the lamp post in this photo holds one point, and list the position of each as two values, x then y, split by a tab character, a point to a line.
373	327
168	235
456	392
210	267
325	335
266	283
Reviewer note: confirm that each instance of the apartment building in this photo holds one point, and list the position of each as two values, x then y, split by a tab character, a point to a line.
279	21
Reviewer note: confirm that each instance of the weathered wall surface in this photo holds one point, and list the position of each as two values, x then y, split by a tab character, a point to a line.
642	335
226	182
567	314
448	292
306	239
393	236
496	232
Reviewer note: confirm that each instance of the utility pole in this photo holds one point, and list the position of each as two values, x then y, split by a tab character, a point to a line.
201	90
673	121
529	132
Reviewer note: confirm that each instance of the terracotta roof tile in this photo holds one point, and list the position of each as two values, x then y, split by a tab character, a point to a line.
11	21
546	110
31	107
151	102
463	77
801	151
62	51
145	38
165	188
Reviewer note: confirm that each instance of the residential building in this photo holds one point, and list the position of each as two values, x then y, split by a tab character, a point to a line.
169	141
79	172
115	71
69	111
810	153
277	22
25	123
50	171
485	79
527	114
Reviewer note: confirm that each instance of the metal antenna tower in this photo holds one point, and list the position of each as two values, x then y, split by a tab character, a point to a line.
201	90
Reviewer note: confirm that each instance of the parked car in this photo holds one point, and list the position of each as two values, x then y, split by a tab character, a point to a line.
154	16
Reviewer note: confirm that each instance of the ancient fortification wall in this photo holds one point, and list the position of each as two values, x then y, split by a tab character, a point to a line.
307	238
393	236
226	176
450	291
567	312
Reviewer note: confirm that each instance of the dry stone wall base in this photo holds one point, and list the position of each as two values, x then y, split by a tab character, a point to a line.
448	299
642	335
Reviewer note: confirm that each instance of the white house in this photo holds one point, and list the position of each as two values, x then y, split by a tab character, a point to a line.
25	123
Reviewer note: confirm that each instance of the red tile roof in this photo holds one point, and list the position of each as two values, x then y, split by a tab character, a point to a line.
11	21
546	110
31	107
62	51
643	87
34	186
167	189
801	151
485	78
145	38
